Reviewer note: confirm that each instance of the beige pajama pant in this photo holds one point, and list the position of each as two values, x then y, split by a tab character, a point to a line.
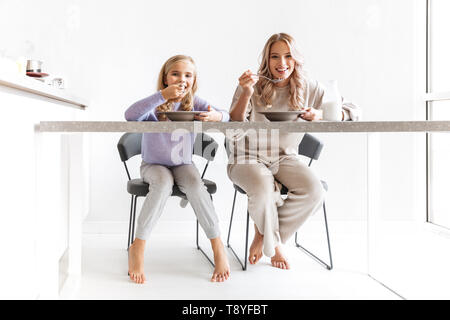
276	219
161	180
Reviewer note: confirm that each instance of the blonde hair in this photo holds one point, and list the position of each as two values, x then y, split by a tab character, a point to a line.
187	103
297	82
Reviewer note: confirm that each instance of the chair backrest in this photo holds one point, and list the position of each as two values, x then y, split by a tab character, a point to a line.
205	146
129	146
310	147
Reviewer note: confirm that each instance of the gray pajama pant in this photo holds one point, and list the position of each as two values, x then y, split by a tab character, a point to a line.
161	180
276	219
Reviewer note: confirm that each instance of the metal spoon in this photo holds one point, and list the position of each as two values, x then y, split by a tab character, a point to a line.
273	80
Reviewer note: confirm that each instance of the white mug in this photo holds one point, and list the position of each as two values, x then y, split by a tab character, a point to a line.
34	66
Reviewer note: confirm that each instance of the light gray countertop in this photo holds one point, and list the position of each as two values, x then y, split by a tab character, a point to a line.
197	126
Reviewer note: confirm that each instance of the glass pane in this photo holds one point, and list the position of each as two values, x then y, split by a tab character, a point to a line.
440	167
439	46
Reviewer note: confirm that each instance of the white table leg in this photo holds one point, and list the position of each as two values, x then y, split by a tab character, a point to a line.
373	192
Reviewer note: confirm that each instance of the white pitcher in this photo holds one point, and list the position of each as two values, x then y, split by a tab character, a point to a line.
332	102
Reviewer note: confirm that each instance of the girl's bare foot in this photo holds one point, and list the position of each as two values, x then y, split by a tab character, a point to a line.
279	260
256	248
136	261
222	268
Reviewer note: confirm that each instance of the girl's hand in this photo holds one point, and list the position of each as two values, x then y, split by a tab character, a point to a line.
211	115
247	80
311	114
174	91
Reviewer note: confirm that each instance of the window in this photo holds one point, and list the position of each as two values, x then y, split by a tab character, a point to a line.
438	108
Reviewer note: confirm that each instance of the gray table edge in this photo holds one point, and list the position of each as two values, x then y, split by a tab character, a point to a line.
197	126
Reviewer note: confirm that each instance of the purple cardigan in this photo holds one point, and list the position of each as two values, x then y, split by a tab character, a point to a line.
168	149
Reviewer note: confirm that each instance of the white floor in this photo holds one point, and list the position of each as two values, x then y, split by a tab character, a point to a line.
177	270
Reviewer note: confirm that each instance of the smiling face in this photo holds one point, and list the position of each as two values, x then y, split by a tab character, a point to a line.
182	73
281	62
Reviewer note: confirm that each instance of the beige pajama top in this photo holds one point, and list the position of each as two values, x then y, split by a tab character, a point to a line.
287	142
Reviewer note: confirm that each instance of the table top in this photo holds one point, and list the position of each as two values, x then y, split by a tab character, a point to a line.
197	126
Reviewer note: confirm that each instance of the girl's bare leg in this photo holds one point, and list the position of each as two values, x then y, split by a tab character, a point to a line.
136	261
222	268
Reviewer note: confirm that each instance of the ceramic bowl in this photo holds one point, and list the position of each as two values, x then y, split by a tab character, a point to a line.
181	115
281	115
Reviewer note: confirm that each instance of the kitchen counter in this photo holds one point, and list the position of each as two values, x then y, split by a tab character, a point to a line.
33	86
54	169
196	126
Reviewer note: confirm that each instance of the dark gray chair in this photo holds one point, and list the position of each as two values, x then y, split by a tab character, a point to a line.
130	145
310	147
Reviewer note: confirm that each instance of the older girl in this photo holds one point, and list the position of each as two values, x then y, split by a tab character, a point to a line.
161	167
258	167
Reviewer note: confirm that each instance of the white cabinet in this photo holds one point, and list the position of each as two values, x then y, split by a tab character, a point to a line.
43	187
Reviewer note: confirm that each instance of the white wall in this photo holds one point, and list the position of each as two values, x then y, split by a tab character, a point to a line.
111	51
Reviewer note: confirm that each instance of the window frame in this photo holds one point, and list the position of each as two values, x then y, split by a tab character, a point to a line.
430	97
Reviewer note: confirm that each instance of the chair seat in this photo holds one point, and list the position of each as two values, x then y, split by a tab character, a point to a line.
139	188
284	190
238	189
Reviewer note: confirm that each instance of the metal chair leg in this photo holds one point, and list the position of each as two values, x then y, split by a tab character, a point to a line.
201	250
132	224
246	241
243	265
134	220
328	236
324	264
231	219
129	225
198	246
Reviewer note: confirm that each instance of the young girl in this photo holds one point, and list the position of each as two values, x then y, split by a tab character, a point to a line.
258	171
160	168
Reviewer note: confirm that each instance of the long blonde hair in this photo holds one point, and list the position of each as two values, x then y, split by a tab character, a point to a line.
187	103
297	82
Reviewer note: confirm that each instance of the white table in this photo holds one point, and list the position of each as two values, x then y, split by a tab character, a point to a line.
372	129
